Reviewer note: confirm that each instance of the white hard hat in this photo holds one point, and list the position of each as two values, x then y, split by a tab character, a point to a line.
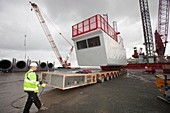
33	64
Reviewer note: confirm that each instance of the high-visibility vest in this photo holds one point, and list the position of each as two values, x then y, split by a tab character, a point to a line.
30	81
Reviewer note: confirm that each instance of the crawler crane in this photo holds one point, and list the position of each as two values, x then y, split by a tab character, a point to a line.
64	63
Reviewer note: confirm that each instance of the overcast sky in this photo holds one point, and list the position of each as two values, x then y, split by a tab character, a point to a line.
17	20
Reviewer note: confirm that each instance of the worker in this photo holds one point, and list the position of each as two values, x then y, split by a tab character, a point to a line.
31	84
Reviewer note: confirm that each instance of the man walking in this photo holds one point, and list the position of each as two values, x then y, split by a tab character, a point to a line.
31	84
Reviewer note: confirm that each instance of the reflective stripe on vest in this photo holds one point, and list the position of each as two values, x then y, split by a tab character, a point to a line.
31	81
37	83
30	89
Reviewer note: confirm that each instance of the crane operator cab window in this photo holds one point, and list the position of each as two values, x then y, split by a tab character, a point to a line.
88	43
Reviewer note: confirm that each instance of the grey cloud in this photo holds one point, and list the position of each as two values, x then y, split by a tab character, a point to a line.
17	20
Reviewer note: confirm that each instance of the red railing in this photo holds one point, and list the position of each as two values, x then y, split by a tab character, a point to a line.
91	24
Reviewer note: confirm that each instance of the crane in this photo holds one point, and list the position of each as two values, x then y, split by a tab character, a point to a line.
147	29
161	33
49	36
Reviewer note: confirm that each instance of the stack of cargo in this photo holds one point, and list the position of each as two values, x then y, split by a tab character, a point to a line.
16	65
20	65
166	68
42	66
6	65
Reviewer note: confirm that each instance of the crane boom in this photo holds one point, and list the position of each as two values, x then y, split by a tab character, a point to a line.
147	29
163	19
162	33
49	36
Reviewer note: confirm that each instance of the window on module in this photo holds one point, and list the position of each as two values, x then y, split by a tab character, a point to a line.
95	41
81	44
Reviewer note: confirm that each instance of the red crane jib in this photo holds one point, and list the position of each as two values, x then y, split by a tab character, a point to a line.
160	49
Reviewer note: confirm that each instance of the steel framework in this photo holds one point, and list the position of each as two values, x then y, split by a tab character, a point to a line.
163	20
49	36
147	29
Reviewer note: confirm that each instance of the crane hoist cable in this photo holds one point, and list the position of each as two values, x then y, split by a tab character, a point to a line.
53	23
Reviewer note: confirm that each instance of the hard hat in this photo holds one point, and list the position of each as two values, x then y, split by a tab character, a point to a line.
33	64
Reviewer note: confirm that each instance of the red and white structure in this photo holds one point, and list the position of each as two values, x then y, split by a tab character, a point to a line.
97	43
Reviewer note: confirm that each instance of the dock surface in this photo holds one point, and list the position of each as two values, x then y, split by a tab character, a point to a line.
134	92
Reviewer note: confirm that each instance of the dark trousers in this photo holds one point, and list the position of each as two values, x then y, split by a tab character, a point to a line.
32	98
